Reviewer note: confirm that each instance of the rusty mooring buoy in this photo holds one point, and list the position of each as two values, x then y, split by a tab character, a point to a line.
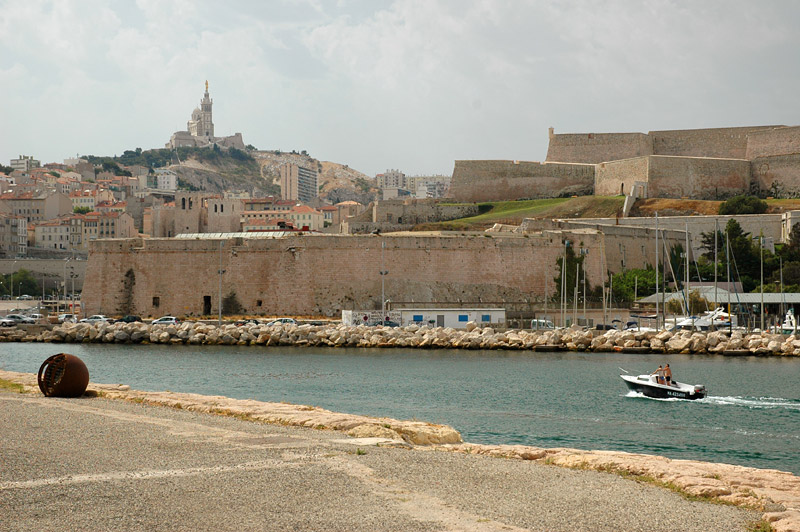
63	375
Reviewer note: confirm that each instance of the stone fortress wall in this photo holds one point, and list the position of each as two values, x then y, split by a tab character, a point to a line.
501	180
321	275
698	163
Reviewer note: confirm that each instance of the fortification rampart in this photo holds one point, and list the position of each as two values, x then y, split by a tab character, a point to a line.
675	177
508	180
774	141
697	177
726	143
777	176
592	148
770	224
320	275
618	177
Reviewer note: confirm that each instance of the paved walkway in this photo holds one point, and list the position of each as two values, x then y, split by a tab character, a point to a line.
100	464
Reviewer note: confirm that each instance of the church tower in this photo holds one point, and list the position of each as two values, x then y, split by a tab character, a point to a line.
201	124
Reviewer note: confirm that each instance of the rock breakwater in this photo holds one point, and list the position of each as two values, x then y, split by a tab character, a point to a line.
413	336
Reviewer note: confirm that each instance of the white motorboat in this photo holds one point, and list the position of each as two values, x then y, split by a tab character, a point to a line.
648	385
716	319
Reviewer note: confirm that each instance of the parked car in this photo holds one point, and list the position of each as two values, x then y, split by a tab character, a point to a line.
283	321
66	318
390	323
96	318
36	317
166	320
130	319
25	297
16	319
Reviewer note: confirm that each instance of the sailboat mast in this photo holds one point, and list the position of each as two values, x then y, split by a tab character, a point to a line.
657	283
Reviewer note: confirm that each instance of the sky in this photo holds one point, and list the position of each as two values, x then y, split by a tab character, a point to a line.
388	84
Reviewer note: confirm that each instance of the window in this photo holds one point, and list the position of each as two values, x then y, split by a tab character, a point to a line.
486	318
417	317
463	317
156	301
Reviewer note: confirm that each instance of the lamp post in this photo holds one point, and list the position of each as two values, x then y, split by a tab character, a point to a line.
761	252
220	271
383	273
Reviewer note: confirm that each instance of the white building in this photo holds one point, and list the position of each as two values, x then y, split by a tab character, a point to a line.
166	179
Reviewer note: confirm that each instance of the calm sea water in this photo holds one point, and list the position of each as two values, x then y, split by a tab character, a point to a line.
751	416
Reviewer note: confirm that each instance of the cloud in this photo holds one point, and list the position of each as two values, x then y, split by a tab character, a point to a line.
408	84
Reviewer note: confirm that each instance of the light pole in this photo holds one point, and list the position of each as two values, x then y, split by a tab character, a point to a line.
220	271
383	273
584	253
761	251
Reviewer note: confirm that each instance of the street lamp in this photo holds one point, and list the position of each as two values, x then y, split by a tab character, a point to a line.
383	274
220	271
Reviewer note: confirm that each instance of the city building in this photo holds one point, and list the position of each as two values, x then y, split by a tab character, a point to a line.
392	179
166	179
13	235
25	163
298	183
36	206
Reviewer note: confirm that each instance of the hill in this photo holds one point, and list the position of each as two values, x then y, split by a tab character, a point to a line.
254	171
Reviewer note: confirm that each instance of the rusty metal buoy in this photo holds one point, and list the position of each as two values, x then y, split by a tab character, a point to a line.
63	375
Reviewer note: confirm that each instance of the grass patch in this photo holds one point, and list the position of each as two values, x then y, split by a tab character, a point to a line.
759	526
513	212
11	386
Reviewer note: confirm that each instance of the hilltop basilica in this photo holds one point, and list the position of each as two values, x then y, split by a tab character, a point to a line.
200	130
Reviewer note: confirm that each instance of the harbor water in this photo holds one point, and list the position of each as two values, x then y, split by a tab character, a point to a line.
751	416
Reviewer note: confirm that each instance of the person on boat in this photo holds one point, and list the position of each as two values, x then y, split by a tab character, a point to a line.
659	373
667	375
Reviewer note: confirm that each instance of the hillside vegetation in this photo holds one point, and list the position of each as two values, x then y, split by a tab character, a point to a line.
251	170
513	212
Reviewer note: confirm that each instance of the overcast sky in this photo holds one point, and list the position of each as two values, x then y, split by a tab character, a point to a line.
377	84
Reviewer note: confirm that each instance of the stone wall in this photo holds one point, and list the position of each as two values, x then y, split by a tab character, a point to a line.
595	148
509	180
49	270
618	177
777	176
697	177
321	275
401	215
774	141
726	143
770	224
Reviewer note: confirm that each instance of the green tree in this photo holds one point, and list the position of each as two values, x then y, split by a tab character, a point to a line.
81	210
23	283
697	304
634	283
743	204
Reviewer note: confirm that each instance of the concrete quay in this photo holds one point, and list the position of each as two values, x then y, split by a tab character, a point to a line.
413	336
120	459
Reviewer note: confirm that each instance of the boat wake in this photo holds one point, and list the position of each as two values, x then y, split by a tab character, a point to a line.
747	402
755	402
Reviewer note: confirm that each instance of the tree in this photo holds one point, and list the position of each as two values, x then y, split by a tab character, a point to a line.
81	210
23	283
743	204
697	304
634	283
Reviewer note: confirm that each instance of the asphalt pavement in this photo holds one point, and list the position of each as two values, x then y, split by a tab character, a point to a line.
99	464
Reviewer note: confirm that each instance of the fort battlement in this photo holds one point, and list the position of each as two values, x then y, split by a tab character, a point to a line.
321	275
500	180
700	163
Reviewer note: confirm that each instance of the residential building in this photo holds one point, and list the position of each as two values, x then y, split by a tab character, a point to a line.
53	234
36	206
25	163
166	179
298	183
392	179
13	235
89	198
